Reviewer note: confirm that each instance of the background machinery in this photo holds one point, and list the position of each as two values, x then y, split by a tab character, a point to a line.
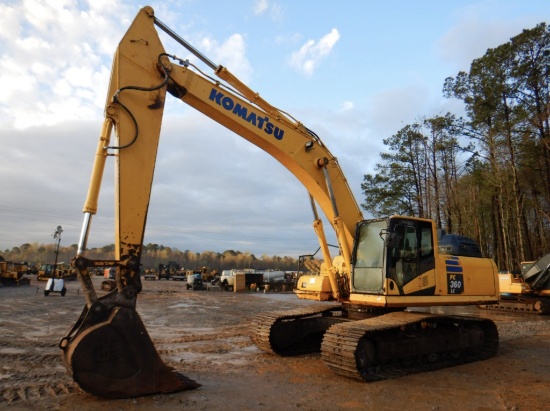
195	281
383	266
11	274
525	292
168	270
58	270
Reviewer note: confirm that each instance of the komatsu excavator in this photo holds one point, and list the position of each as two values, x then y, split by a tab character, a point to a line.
385	267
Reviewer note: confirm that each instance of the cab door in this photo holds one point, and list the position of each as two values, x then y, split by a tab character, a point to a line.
410	256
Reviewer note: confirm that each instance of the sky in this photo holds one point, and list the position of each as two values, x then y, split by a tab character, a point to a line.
355	72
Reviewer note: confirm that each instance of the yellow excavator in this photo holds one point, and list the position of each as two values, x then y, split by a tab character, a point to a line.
527	291
365	328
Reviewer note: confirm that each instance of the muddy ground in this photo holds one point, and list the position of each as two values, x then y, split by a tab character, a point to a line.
204	334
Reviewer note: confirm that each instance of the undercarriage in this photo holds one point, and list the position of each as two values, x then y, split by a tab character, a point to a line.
379	346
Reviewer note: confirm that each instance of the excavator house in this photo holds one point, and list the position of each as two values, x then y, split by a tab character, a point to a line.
364	325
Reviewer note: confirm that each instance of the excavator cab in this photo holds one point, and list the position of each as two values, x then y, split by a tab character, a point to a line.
391	252
399	256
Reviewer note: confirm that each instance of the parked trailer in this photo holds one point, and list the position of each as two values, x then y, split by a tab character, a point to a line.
251	277
267	280
277	281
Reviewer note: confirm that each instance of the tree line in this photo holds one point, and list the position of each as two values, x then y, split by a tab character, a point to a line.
152	256
485	175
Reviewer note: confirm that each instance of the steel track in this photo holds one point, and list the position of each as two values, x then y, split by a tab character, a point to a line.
380	347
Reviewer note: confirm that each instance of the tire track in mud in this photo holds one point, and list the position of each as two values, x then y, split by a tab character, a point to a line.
223	339
191	330
31	371
196	349
36	391
31	366
189	336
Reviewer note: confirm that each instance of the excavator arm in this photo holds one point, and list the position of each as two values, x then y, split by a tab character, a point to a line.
142	73
108	350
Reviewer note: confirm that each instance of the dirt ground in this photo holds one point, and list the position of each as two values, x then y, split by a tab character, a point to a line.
204	335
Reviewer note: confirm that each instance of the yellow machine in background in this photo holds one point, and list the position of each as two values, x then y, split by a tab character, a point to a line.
525	292
59	270
383	266
11	274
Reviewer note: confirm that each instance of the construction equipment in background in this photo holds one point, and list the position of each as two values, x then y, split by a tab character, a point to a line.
526	265
259	280
195	281
59	270
12	274
169	270
211	276
56	270
527	291
311	266
150	274
109	283
32	268
205	273
384	265
46	271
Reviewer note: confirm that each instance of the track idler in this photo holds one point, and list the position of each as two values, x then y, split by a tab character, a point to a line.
111	355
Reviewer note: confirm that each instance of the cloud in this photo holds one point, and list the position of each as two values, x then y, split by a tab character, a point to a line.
312	53
477	30
276	11
44	180
260	6
50	65
55	60
212	190
232	52
461	44
346	106
394	108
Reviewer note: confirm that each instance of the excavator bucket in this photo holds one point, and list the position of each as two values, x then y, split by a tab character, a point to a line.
116	358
